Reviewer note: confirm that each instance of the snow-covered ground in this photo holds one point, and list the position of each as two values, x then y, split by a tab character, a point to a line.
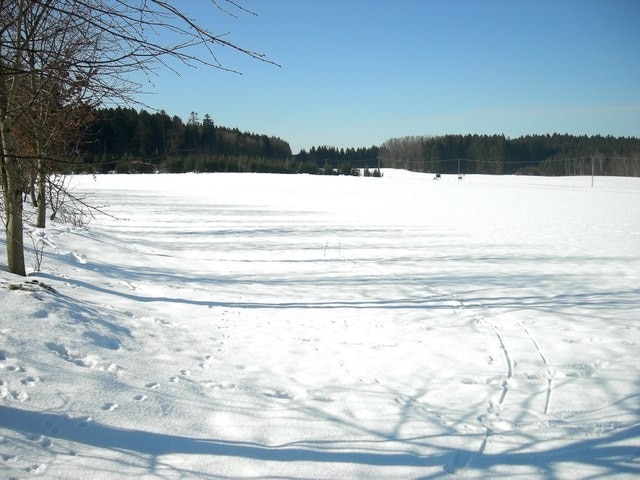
261	326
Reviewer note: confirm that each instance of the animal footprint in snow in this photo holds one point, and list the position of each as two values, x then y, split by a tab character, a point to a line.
20	396
218	386
78	421
494	423
16	368
322	398
139	397
494	380
93	362
81	259
152	385
110	407
279	394
30	381
36	468
113	368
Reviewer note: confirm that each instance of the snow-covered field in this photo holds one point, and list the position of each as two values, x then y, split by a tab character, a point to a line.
261	326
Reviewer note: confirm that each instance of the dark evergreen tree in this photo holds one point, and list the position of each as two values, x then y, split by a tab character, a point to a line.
530	154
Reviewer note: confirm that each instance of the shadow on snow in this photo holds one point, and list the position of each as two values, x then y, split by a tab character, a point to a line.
604	452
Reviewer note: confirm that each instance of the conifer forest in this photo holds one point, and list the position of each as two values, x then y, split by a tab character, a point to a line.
125	140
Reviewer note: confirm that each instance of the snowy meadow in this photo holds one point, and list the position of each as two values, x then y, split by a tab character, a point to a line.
250	326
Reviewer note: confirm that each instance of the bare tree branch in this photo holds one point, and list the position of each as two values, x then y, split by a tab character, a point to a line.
60	58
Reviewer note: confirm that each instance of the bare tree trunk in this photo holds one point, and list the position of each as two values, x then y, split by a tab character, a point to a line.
12	191
14	231
41	207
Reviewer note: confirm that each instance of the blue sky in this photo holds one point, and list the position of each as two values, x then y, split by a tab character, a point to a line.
358	72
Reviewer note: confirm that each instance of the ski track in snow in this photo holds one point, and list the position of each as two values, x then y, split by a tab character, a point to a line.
543	357
484	316
503	327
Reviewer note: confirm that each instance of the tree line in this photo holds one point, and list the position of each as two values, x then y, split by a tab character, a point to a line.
332	160
530	154
125	140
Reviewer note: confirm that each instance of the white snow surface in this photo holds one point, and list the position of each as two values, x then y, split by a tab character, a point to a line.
252	326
